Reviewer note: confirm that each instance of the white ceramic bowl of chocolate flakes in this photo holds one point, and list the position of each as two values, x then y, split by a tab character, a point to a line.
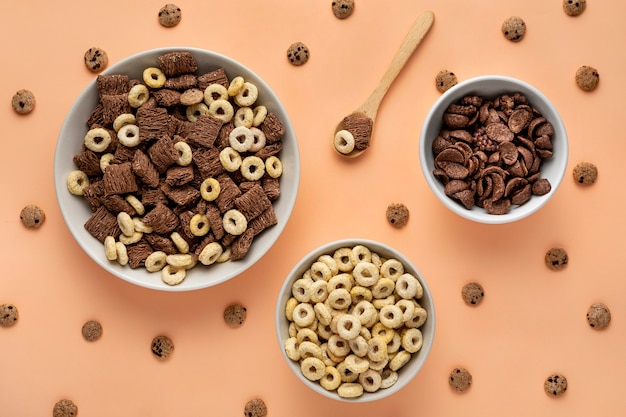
176	169
493	149
355	320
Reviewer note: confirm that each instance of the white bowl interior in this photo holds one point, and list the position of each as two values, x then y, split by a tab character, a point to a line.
490	86
76	211
406	373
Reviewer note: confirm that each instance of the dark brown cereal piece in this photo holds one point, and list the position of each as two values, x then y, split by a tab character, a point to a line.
163	154
32	216
185	224
342	9
88	161
397	214
204	131
176	176
598	316
65	408
273	128
112	84
166	97
229	192
191	96
235	314
263	221
271	186
209	238
444	80
154	123
556	258
23	101
162	346
217	76
95	117
555	385
182	82
361	129
119	179
94	194
472	293
91	330
460	379
574	7
298	53
178	63
541	187
587	78
270	150
152	197
102	223
208	162
162	243
123	154
585	173
185	195
255	408
514	28
138	252
169	15
113	105
214	215
96	59
253	202
241	245
116	204
144	168
161	219
8	315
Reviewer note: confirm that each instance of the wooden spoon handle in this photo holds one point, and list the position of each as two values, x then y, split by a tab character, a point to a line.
418	30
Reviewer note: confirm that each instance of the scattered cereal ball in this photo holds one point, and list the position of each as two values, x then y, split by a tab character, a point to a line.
460	379
235	315
585	173
162	346
255	408
23	101
514	28
32	216
598	316
169	15
587	78
343	8
8	315
556	258
96	59
92	330
444	80
65	408
472	293
574	7
298	53
397	214
555	385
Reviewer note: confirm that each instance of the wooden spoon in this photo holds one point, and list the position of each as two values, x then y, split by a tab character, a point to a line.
369	108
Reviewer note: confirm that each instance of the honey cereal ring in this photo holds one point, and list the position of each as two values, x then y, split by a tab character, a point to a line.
125	222
322	313
356	364
331	379
184	154
230	159
210	189
292	329
236	84
307	335
382	332
136	204
358	346
365	312
348	326
110	250
259	139
290	305
407	286
128	135
225	256
156	261
77	181
338	346
210	253
390	316
389	378
273	166
97	139
215	92
324	331
243	117
199	225
153	77
234	222
339	298
308	349
399	360
379	365
319	291
194	111
179	260
392	269
344	141
343	280
291	349
381	302
313	369
241	139
259	115
419	318
138	95
301	290
123	120
172	275
328	260
371	380
342	258
140	226
247	95
129	240
106	160
252	168
365	274
407	308
303	315
181	244
412	340
350	390
360	253
359	294
377	348
320	271
122	253
383	288
395	344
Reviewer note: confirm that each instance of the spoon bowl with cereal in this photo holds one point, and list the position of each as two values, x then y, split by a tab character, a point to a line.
353	134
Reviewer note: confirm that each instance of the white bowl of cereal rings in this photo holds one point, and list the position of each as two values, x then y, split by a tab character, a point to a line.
355	320
493	149
176	169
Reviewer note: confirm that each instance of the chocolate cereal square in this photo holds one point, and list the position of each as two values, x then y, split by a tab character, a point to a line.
272	127
217	76
119	179
265	220
208	162
214	215
163	154
241	245
154	123
153	197
174	64
112	84
89	162
176	176
253	202
161	219
117	204
161	243
166	97
271	187
137	253
144	169
185	195
102	223
113	105
229	192
204	131
182	82
94	194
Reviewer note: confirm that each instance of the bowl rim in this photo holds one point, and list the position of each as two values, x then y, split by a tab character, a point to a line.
328	247
60	181
516	213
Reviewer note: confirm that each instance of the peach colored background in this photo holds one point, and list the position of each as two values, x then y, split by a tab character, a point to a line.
532	321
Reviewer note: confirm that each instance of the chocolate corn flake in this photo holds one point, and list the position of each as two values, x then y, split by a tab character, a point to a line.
174	64
102	223
119	179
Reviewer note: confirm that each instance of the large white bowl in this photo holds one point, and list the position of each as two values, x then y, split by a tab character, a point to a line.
406	373
76	211
490	86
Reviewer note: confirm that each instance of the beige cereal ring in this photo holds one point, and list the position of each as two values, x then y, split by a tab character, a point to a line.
412	340
366	274
181	244
153	77
172	275
290	305
236	84
194	111
260	113
125	222
356	364
252	168
140	226
303	314
331	379
259	140
371	380
309	349
399	360
77	181
234	222
138	95
185	154
348	326
97	139
344	141
210	189
244	117
123	120
273	166
350	390
122	253
301	290
199	225
215	92
129	240
136	204
105	161
241	139
109	248
230	159
319	291
210	253
322	313
128	135
222	110
179	260
312	368
247	95
291	349
156	261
